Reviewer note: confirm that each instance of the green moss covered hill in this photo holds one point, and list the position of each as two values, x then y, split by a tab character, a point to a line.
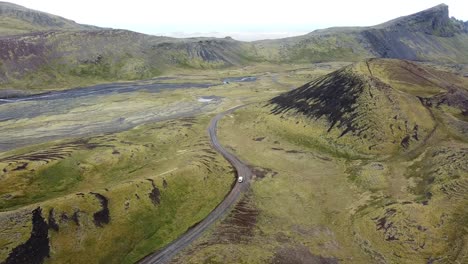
401	130
382	106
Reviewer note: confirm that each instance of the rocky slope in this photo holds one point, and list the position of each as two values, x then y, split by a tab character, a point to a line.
378	106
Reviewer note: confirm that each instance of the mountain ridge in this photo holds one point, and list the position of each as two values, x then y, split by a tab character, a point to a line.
19	19
429	35
432	20
58	56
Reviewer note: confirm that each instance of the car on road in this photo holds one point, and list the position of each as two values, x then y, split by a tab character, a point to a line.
240	179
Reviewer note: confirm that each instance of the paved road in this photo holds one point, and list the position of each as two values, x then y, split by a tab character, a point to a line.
166	254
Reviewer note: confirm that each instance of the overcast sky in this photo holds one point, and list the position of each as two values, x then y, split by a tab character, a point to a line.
241	19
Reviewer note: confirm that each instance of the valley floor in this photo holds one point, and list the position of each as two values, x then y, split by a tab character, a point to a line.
113	176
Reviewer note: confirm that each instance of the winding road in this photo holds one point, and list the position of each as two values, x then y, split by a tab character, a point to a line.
166	254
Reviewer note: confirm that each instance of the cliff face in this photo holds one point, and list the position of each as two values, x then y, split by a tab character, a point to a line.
420	36
433	21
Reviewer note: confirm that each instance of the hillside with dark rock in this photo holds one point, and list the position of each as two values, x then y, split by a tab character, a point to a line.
378	106
36	248
67	58
433	21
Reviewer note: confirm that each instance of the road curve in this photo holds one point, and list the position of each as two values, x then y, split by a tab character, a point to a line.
166	254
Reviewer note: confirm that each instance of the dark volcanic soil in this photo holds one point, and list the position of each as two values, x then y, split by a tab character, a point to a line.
52	222
261	173
299	255
333	96
100	90
155	194
239	226
36	249
101	217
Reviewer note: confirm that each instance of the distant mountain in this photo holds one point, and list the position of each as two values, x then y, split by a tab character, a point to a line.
39	50
429	35
16	19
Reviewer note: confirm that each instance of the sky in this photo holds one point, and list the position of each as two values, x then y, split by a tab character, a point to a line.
241	19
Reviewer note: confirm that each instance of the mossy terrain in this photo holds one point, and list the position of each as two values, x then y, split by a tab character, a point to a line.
100	110
111	198
321	196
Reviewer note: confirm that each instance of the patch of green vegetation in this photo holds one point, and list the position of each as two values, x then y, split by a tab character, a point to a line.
295	136
324	51
60	176
371	176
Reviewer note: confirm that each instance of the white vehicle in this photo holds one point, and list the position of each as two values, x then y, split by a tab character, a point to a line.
240	179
